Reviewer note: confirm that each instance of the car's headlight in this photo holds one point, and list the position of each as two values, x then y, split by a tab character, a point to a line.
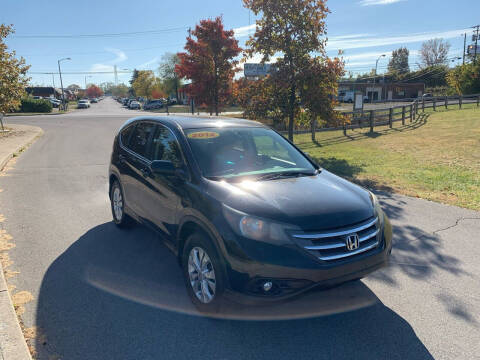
376	207
257	229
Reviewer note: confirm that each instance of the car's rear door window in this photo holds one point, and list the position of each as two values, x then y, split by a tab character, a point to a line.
139	140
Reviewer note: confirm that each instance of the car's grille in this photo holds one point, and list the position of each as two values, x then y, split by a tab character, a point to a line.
332	245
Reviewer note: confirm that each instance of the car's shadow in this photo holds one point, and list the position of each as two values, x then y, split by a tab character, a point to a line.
119	294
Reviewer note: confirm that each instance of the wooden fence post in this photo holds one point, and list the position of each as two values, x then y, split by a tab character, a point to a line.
434	104
412	112
390	118
372	118
460	101
478	100
446	102
403	115
423	104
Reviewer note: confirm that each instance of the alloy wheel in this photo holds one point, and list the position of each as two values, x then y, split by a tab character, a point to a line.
117	203
201	275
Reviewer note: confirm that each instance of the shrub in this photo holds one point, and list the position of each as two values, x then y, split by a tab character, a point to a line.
33	105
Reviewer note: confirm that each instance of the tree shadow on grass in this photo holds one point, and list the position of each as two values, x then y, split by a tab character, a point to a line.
358	134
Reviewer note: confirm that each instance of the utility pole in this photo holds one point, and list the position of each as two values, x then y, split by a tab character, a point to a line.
116	74
464	47
477	27
53	81
374	78
61	82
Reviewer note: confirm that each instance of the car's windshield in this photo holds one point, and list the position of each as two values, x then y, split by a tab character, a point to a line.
229	153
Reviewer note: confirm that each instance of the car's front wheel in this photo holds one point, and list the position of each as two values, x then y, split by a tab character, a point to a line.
117	202
203	273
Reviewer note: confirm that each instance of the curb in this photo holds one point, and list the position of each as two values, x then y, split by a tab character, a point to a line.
30	140
12	342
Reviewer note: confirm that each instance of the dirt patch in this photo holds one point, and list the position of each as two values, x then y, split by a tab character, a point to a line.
11	133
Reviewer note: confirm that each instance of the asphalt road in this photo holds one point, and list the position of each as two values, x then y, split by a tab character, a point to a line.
103	293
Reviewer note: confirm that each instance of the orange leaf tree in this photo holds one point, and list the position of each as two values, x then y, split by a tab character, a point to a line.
94	91
291	30
209	62
318	88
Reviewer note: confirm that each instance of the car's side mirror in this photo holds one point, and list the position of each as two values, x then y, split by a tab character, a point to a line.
162	167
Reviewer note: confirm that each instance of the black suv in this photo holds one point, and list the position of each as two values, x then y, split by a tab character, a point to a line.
247	213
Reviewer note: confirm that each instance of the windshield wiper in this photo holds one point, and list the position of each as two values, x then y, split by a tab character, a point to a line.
286	174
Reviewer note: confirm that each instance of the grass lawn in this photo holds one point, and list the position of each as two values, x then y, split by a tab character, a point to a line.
436	158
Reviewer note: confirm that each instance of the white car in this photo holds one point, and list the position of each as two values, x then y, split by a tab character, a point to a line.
83	104
134	105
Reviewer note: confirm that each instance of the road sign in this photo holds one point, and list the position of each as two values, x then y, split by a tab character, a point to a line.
256	69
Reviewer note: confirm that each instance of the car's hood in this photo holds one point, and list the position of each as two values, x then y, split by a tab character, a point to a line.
324	201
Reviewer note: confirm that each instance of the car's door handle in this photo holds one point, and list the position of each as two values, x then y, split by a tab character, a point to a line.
122	158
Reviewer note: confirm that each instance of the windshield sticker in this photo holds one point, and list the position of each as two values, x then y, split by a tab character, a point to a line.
203	135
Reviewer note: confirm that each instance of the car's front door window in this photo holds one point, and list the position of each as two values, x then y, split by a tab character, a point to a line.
166	147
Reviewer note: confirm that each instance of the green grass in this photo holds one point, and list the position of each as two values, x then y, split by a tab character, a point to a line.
436	158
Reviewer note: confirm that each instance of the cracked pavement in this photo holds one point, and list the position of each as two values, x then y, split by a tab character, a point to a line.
102	293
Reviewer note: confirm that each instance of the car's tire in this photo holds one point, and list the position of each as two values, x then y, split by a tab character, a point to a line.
204	278
117	204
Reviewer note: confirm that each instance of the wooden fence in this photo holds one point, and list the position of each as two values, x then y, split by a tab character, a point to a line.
404	113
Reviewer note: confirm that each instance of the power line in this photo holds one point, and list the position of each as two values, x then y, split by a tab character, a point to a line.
87	36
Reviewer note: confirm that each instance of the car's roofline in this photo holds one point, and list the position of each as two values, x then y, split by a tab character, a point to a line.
197	122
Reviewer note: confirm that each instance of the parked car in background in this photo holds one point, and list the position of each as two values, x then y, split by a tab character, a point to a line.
83	104
134	105
37	97
94	100
153	104
55	103
248	214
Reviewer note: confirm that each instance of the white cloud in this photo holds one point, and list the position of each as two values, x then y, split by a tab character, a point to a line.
108	66
121	56
378	2
244	30
354	42
147	64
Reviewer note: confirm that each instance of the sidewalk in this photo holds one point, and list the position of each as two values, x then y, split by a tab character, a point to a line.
12	342
14	141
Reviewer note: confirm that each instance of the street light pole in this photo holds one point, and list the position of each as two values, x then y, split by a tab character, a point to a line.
375	76
61	81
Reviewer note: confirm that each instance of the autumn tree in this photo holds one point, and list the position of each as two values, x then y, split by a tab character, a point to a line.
434	52
399	61
209	62
263	99
465	79
171	80
144	83
93	91
294	29
13	71
120	90
319	86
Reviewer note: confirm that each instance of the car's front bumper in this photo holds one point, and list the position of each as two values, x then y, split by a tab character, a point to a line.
300	272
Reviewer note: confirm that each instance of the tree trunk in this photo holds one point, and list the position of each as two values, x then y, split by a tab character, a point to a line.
313	127
215	91
291	112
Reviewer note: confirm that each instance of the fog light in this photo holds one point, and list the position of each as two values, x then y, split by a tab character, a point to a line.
267	286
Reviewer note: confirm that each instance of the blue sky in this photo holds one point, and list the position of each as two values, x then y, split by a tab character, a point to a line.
364	29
